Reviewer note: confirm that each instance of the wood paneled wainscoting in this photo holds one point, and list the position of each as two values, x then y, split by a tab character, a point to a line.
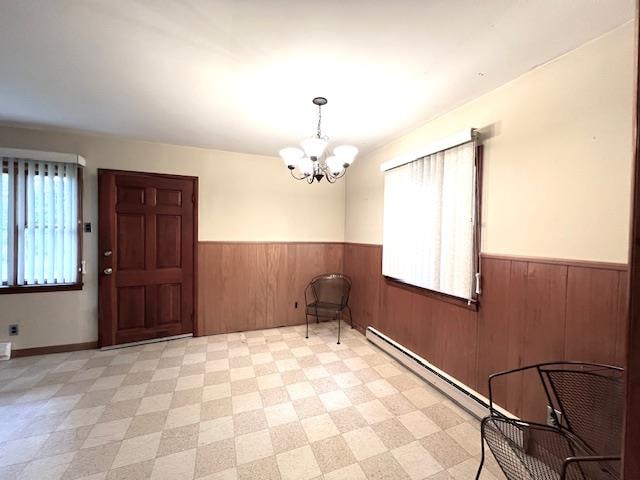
253	285
531	310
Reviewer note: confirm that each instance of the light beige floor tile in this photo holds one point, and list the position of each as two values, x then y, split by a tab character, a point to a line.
136	471
179	466
81	417
374	412
178	417
364	443
387	370
246	402
381	388
269	381
263	469
215	392
319	427
49	468
384	467
327	357
89	461
416	461
229	474
107	432
316	372
165	374
300	390
129	392
309	407
253	446
21	450
190	381
442	415
298	464
137	449
468	469
335	400
346	380
421	397
351	472
418	424
211	431
241	373
444	449
280	414
467	436
154	403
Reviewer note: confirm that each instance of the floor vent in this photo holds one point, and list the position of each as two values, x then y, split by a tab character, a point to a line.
472	401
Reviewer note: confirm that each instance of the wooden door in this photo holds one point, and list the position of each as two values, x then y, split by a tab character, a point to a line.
147	256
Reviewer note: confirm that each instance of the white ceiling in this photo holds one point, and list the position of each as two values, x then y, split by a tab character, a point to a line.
240	74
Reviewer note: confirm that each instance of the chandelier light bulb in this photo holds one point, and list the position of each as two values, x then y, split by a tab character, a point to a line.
306	166
314	146
346	153
291	156
335	165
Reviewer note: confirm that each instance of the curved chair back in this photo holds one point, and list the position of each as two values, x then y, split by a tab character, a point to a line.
331	288
591	400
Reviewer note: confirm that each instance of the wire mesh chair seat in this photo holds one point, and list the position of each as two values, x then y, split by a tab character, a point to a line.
327	296
585	441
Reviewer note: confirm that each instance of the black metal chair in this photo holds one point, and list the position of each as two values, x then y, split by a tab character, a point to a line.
327	296
584	443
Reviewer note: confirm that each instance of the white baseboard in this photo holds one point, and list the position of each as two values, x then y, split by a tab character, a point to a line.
473	402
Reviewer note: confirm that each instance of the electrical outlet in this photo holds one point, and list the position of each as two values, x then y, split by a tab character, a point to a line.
551	420
13	329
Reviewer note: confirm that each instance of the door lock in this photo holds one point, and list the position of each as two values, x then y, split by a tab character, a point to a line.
108	271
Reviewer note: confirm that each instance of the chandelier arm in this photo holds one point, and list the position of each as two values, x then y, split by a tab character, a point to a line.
297	177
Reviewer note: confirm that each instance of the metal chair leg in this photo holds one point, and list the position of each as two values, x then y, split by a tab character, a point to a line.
339	320
482	450
307	316
350	315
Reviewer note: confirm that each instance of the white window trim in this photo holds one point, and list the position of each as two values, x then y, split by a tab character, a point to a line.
43	156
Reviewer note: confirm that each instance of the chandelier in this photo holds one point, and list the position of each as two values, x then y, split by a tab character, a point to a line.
311	162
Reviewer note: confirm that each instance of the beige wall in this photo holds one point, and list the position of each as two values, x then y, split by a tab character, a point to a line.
242	198
558	156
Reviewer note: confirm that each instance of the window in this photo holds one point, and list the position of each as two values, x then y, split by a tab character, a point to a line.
430	211
39	218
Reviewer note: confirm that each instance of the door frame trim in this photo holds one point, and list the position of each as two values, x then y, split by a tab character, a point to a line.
196	198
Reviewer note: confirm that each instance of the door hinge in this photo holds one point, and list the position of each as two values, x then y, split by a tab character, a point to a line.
193	198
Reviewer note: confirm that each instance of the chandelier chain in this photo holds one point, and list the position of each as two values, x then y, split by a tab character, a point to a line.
319	120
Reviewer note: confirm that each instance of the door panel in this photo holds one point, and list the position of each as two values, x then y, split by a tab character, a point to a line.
147	283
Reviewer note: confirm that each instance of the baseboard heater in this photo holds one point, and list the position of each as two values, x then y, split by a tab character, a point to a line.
472	401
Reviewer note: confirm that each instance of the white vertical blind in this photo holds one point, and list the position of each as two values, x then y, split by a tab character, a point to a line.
429	221
38	222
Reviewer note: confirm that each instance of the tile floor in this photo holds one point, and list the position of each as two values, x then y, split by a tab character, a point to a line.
257	405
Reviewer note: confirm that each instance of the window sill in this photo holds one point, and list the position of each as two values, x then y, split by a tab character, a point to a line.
443	297
63	287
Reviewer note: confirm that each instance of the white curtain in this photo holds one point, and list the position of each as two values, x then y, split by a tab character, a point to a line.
39	217
429	221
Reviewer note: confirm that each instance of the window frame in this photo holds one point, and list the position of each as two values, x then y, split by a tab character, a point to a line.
474	302
53	287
